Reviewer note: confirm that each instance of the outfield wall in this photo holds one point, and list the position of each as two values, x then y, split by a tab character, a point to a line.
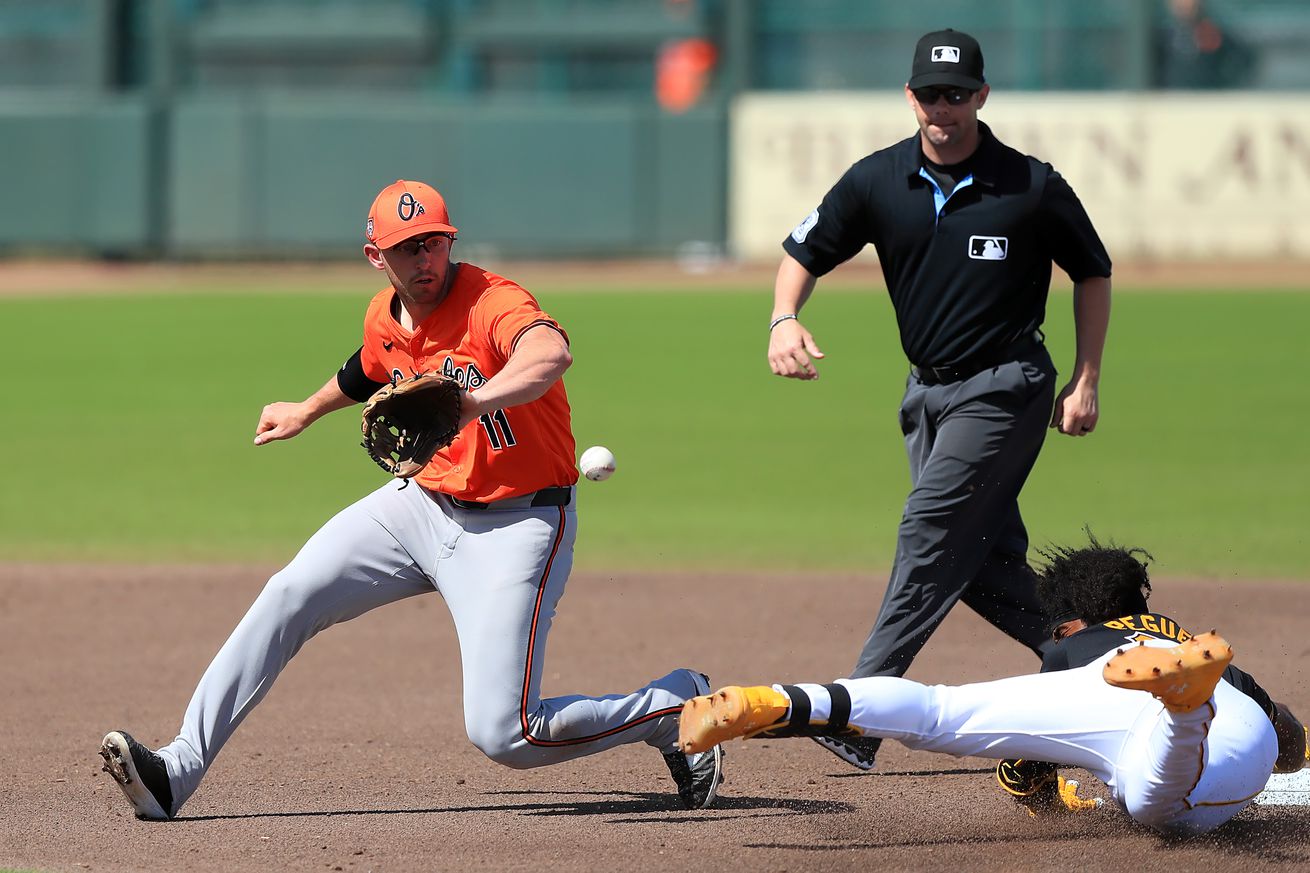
1170	176
280	175
1165	176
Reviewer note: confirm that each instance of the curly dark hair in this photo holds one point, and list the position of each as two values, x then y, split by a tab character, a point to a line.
1095	583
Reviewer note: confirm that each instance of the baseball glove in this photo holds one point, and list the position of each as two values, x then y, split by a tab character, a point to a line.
405	424
1039	788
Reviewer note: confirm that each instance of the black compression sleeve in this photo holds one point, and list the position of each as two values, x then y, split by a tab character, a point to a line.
353	382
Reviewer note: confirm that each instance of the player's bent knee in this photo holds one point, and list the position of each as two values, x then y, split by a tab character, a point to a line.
1155	816
1175	819
1187	824
287	594
507	749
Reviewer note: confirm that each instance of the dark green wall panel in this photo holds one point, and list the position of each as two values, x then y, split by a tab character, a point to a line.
323	163
212	178
78	171
281	176
268	176
690	171
551	179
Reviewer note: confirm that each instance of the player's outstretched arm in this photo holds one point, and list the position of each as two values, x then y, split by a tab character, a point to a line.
1292	752
283	420
539	360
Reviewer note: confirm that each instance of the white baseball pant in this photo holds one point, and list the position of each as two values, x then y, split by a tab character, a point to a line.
1184	773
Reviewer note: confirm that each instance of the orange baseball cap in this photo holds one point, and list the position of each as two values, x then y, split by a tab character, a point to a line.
404	209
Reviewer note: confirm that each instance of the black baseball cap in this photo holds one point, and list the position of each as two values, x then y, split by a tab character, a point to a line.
947	57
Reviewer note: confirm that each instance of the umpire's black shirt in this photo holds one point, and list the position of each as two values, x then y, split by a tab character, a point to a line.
968	270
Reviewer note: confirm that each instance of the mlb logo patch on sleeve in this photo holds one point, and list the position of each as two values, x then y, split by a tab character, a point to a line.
988	248
945	54
803	229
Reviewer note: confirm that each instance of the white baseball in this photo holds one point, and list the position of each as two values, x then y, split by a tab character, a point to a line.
597	463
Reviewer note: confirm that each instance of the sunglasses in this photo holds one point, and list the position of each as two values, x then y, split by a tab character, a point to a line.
410	247
930	96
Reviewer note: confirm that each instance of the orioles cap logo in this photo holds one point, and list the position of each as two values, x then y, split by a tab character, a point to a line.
407	207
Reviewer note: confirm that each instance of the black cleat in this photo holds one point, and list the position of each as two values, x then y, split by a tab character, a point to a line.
697	775
140	773
858	751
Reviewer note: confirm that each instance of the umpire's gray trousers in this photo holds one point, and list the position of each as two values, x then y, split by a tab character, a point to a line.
971	445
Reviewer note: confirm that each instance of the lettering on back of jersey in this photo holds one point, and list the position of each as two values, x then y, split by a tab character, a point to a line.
1149	627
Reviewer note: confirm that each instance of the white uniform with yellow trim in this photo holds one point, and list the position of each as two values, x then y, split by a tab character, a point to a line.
1175	772
1185	772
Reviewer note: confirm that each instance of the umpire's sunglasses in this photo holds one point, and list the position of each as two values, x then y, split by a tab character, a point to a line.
930	95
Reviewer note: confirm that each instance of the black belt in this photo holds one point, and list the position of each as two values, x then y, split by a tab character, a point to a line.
555	496
967	369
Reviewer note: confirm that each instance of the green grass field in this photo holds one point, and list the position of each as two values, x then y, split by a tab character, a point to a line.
131	418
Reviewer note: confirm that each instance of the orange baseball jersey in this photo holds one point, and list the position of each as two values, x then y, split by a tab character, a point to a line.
470	337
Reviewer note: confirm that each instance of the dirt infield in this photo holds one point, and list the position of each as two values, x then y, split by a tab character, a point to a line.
358	761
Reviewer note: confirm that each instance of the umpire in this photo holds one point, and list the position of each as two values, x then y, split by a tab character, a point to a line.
966	229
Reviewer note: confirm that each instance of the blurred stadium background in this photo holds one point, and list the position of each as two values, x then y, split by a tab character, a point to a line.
242	129
227	150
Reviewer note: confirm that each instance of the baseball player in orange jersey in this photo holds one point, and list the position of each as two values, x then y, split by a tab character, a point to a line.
489	523
1184	762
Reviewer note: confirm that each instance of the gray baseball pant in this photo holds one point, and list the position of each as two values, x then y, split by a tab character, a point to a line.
971	445
501	572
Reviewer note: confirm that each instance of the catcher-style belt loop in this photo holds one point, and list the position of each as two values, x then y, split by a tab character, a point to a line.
958	373
555	496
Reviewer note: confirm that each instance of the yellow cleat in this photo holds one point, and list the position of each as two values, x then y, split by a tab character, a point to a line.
1182	677
728	713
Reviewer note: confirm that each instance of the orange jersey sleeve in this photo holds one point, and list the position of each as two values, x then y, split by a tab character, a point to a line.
379	341
469	338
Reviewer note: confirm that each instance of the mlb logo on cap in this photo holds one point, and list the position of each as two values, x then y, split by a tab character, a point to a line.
949	58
